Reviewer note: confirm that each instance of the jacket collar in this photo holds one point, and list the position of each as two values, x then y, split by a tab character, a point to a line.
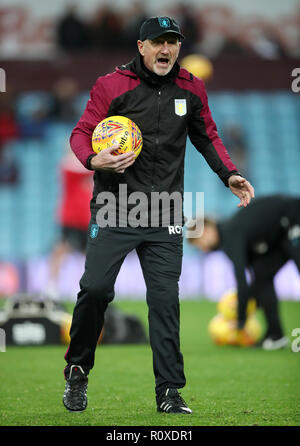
136	69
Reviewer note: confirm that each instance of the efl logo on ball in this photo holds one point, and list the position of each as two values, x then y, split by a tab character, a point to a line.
117	130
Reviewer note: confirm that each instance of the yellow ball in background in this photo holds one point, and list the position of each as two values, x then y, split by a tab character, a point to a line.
224	331
251	332
223	327
65	326
199	66
228	304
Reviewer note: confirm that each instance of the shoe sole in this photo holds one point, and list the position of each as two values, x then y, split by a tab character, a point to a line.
184	412
74	410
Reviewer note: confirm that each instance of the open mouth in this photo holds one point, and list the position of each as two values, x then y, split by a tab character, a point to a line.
163	61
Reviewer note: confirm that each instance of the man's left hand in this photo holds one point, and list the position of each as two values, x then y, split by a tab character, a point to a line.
240	187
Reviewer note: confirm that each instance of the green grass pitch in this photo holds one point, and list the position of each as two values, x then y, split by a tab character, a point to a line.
226	386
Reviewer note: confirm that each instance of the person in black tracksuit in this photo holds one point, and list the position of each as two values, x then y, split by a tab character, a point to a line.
168	104
260	238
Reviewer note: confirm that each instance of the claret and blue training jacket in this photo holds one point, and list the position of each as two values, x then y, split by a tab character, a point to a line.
167	109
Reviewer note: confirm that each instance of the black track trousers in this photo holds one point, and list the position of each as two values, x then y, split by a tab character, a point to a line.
160	255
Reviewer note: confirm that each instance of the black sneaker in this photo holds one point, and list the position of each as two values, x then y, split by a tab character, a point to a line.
171	402
75	398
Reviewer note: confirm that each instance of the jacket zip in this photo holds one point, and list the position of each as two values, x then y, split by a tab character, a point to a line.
156	138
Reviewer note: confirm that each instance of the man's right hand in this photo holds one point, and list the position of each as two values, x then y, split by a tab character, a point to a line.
105	160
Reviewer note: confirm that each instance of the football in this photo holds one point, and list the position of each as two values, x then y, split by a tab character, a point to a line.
227	305
199	66
251	333
223	331
117	130
65	326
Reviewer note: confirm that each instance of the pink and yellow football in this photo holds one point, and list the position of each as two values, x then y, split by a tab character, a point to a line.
117	130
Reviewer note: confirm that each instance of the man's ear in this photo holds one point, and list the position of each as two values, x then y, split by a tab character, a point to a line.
140	45
179	46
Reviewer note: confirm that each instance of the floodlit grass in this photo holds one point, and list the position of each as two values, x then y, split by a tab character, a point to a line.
226	386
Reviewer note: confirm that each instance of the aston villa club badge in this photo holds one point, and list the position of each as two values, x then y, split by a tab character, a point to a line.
180	107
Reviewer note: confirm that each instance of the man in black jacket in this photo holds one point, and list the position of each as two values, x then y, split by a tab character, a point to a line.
260	238
168	104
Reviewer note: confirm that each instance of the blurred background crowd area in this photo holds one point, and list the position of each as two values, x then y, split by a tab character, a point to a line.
52	53
266	28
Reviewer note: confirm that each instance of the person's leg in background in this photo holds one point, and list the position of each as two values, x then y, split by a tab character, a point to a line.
268	301
265	268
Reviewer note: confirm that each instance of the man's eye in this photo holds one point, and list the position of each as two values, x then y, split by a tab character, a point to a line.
169	42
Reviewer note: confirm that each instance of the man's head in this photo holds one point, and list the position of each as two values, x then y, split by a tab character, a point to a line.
159	44
209	239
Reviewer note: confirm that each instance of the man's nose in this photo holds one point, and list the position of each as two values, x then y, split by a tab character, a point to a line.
165	47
